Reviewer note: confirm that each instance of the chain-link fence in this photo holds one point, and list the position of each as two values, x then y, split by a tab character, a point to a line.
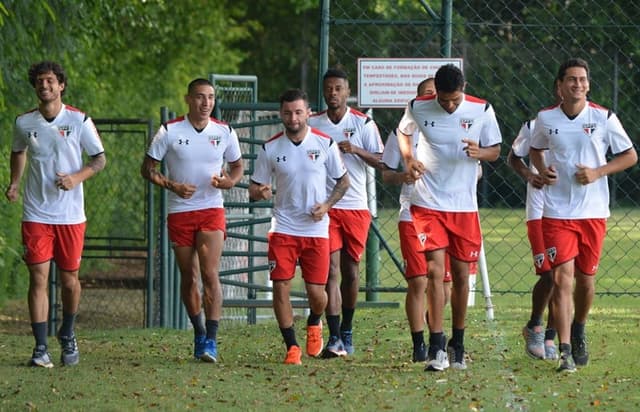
511	52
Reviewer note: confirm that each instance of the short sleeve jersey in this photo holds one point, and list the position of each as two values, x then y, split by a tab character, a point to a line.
520	148
300	172
54	146
193	157
392	158
449	183
584	139
361	131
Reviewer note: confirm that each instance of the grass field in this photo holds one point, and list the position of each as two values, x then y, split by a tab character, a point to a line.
152	369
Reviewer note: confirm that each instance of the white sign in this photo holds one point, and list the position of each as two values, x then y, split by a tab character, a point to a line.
393	82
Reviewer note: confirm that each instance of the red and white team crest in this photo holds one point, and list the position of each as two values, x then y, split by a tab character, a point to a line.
313	155
466	124
422	237
272	265
551	252
64	131
538	260
214	140
589	128
348	132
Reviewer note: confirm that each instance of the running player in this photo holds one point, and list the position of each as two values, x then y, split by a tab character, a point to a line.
299	160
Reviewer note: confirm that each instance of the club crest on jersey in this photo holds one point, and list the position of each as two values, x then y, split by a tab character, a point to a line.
589	128
552	252
466	124
64	131
215	140
348	132
422	237
538	260
313	154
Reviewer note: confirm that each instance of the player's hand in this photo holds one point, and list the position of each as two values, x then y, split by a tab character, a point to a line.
12	193
345	146
184	190
471	148
536	180
549	175
223	181
415	169
585	175
265	192
65	181
318	211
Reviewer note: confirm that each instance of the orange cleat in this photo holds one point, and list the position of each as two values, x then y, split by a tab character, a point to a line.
294	356
314	340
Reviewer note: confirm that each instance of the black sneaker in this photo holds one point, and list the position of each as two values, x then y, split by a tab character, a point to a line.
566	363
579	350
419	353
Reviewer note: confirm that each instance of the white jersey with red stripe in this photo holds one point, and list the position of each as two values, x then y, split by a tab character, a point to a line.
299	172
520	148
392	158
361	131
193	157
584	139
450	180
55	146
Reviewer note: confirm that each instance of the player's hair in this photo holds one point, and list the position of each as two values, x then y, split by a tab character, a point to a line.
292	95
422	85
198	82
573	62
449	78
335	72
47	66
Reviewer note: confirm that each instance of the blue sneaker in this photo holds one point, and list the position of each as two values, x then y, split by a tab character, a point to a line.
335	348
347	340
199	346
210	351
41	357
70	354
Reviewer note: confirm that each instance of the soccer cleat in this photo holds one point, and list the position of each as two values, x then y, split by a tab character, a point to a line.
334	348
41	357
199	346
210	353
456	357
294	356
579	350
347	340
550	351
419	353
70	354
566	363
314	340
534	343
437	362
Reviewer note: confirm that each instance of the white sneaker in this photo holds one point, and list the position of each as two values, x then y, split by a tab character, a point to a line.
439	363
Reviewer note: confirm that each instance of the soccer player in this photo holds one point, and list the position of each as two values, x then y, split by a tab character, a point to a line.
415	270
52	138
299	160
457	130
539	343
358	138
577	134
195	148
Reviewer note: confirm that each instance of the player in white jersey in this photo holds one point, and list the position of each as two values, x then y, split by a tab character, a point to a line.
299	161
195	148
577	134
457	130
539	343
359	140
53	138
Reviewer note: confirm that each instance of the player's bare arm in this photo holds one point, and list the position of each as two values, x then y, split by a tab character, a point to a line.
227	180
67	181
259	191
585	175
341	187
395	177
521	168
372	159
149	171
548	173
17	163
414	168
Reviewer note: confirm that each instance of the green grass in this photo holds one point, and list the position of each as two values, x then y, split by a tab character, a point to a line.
152	369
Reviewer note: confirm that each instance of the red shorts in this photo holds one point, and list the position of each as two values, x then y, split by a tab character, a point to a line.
415	262
62	243
534	232
311	252
458	232
579	239
350	228
183	226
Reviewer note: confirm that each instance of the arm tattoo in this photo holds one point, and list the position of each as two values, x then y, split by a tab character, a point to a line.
341	187
97	163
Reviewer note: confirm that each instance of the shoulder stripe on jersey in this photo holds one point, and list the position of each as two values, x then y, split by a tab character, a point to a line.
358	113
214	120
474	99
273	138
430	97
320	133
73	109
176	120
